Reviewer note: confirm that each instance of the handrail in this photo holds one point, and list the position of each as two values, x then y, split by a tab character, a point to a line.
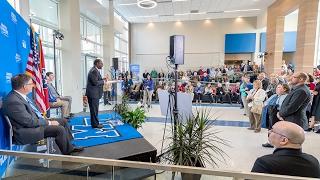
152	166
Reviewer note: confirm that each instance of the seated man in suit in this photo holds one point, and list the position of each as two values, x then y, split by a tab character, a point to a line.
287	158
29	126
56	100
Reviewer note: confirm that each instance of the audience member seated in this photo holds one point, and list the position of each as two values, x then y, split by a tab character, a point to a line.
287	158
190	89
185	77
195	77
198	92
136	92
235	93
222	94
28	124
161	76
208	94
181	87
127	83
214	93
56	100
201	72
205	77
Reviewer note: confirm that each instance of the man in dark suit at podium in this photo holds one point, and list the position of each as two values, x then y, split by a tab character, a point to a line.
94	91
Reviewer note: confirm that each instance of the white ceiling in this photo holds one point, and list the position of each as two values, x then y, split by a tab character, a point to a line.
97	10
169	10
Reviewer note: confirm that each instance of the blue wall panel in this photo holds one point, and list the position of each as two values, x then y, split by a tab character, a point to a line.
14	50
290	41
240	43
289	44
263	42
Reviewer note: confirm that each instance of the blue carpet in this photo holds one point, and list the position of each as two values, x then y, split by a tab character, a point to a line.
113	130
215	123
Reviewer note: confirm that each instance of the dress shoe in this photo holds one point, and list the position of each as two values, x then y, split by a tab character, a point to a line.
77	149
257	130
267	145
250	128
99	126
71	115
309	129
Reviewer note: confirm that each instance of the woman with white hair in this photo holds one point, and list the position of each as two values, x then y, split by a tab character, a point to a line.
256	98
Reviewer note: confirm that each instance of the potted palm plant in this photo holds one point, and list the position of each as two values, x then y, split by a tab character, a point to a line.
195	143
135	118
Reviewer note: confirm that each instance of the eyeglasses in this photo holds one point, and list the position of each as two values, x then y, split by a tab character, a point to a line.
29	84
272	131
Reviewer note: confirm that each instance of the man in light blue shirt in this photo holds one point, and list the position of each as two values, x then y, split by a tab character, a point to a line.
56	100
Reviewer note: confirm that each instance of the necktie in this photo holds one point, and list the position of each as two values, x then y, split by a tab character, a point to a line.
34	108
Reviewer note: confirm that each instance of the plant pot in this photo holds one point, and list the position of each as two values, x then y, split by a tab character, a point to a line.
187	176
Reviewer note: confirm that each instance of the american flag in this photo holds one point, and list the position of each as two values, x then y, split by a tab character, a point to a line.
36	69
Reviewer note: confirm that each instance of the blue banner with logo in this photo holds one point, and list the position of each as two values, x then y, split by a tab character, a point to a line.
14	51
135	68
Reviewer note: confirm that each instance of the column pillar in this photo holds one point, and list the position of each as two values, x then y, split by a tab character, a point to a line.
108	39
72	72
306	35
275	36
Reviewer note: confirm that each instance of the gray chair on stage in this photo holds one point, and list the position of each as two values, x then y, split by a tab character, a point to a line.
48	146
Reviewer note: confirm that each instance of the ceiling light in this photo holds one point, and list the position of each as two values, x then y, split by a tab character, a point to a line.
147	4
199	13
144	16
182	14
241	10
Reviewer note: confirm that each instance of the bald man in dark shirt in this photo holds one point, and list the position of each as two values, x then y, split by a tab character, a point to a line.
288	158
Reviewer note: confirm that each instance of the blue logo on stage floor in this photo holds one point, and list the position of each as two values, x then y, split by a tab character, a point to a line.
85	131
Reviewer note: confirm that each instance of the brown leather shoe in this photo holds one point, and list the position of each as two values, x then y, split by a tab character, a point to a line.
250	128
257	130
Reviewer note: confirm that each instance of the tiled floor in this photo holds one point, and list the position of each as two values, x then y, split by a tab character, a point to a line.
245	144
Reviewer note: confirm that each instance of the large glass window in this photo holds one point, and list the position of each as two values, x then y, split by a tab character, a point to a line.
44	18
91	44
121	44
91	34
45	11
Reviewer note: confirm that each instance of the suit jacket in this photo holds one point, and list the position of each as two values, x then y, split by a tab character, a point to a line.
27	127
94	84
265	83
294	106
287	161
